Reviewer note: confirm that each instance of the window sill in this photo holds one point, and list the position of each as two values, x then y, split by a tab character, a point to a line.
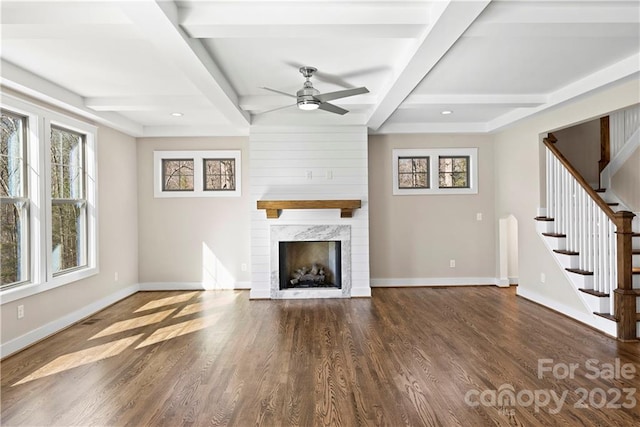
25	291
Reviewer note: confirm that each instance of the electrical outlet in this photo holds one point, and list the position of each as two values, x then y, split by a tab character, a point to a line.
20	311
543	278
479	216
115	276
329	174
243	267
309	175
452	263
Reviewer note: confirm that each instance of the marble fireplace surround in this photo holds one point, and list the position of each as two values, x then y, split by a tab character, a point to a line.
305	233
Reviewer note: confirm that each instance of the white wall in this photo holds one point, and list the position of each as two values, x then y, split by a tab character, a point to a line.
518	189
625	183
198	242
413	238
117	252
281	159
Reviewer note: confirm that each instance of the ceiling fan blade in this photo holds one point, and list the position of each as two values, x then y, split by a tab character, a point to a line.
274	109
332	108
323	97
279	91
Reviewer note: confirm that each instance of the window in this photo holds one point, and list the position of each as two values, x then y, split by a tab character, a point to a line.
68	201
14	202
435	171
48	235
214	173
413	172
453	171
219	174
177	174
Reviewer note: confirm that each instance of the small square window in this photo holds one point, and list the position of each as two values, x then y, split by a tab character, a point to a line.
219	174
177	174
413	172
453	171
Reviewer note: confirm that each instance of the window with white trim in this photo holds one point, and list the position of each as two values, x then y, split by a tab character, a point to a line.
435	171
212	173
47	201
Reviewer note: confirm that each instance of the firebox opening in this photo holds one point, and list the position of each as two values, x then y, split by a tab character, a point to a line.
310	264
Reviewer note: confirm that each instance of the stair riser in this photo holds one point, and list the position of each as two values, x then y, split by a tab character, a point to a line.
568	261
544	226
580	281
556	242
596	304
636	281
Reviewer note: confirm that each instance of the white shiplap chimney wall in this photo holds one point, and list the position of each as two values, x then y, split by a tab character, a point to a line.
308	163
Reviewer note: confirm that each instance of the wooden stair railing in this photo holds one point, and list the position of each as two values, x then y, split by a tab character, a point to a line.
624	296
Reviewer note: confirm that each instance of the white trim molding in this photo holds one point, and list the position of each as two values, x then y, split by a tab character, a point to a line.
190	286
434	281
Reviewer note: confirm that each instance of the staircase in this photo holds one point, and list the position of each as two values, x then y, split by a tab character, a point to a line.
596	240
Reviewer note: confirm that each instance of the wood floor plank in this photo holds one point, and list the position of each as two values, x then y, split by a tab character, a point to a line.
407	356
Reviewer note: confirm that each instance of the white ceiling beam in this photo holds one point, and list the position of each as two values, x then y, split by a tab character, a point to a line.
325	31
462	127
627	68
453	18
303	13
519	100
27	83
158	21
194	131
146	103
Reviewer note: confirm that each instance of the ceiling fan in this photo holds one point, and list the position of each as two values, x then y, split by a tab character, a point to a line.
310	98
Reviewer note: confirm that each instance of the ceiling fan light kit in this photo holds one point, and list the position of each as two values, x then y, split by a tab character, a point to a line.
309	98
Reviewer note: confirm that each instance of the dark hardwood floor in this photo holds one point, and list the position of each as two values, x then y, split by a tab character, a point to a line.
408	356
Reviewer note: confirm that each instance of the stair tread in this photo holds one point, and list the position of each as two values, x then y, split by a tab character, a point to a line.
635	235
635	252
594	293
565	252
554	235
606	316
578	271
543	218
613	204
600	190
635	270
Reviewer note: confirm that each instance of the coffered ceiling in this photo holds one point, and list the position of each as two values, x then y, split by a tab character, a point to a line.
131	64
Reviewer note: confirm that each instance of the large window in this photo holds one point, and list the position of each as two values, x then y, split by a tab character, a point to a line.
14	202
435	171
213	173
48	235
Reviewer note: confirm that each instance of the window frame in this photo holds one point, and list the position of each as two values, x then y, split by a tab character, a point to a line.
434	155
198	157
38	134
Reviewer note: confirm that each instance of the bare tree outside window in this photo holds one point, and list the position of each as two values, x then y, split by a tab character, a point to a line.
413	172
68	200
453	172
219	174
14	204
177	174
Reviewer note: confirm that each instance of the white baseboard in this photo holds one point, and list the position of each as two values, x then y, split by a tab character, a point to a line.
188	286
434	281
260	294
51	328
609	327
361	292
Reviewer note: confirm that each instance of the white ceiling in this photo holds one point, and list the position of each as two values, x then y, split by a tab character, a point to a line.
130	64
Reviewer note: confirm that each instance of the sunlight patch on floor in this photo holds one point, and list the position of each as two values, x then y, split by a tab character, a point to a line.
221	301
179	329
166	301
81	357
136	322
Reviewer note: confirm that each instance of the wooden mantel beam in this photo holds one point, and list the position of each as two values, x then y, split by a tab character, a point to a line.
274	207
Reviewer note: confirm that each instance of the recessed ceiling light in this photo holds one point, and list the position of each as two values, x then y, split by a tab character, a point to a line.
176	114
446	112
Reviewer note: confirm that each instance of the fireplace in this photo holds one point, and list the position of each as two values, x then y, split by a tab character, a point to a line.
310	264
310	261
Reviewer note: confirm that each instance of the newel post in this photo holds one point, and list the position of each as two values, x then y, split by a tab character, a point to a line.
625	296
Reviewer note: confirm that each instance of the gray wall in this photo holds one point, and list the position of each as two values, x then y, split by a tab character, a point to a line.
181	236
414	237
580	144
